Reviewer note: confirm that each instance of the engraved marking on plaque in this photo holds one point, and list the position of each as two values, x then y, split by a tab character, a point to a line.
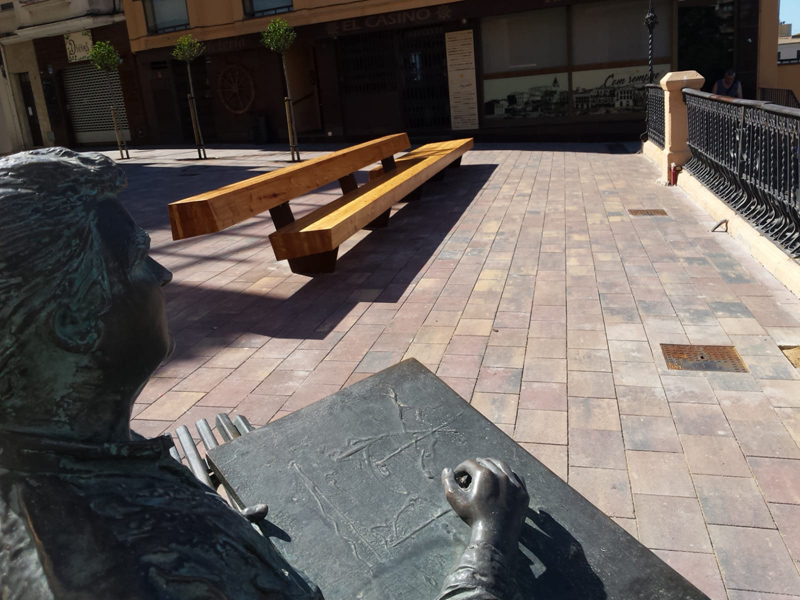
682	357
648	212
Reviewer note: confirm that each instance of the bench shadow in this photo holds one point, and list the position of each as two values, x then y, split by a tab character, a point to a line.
552	563
378	268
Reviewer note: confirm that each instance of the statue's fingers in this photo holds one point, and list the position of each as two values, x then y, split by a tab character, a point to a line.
489	463
503	466
449	482
470	467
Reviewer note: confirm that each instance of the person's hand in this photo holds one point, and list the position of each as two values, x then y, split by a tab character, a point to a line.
490	498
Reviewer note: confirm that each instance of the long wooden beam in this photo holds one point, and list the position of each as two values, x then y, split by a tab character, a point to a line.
219	209
330	225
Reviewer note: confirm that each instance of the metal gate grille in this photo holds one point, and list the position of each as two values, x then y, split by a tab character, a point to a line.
426	96
90	94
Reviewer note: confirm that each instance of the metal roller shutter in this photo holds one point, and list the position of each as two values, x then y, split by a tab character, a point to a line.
90	94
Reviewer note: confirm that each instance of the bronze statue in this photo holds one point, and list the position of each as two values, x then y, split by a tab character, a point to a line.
89	509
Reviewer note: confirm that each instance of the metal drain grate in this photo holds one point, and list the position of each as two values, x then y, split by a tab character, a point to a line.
681	357
648	212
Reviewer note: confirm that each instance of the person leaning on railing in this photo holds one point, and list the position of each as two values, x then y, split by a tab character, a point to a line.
728	85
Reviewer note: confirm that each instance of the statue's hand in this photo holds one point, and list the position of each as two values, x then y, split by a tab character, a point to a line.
491	498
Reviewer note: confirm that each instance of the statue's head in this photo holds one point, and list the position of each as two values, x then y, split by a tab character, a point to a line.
82	316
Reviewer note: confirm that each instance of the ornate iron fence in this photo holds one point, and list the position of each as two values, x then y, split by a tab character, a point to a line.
748	153
655	114
782	97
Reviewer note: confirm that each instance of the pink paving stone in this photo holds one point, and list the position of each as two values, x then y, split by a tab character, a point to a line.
170	406
779	479
693	390
582	359
787	518
392	342
307	394
642	401
593	413
670	523
282	383
549	313
701	570
428	354
229	393
331	372
230	358
541	426
782	393
543	396
659	473
462	386
149	429
733	501
509	337
277	348
504	356
591	385
155	388
203	380
547	329
434	335
459	365
181	366
259	409
551	456
498	408
499	380
546	370
303	360
255	369
607	489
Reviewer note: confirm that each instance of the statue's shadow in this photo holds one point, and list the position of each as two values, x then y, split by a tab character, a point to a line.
552	563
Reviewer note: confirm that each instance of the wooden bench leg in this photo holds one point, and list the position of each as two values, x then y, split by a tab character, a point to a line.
455	164
413	196
348	183
379	222
281	215
324	262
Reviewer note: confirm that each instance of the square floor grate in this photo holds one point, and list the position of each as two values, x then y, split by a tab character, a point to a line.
648	212
682	357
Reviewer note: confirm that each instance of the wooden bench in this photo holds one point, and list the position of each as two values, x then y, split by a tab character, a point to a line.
311	243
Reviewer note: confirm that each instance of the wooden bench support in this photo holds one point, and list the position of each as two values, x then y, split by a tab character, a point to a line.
380	221
314	264
348	183
455	164
281	215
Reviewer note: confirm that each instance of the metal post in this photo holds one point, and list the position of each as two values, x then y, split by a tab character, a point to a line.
650	21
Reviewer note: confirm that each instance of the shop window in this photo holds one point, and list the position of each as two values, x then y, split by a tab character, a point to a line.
166	15
260	8
613	32
527	41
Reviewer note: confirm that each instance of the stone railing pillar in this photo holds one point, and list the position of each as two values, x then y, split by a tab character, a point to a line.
676	123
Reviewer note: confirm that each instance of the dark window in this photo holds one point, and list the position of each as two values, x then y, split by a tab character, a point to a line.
6	6
166	15
260	8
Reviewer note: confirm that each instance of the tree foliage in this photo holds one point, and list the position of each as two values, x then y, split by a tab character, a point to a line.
104	56
279	36
187	49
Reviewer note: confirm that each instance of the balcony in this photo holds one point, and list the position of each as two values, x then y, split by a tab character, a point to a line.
262	8
164	16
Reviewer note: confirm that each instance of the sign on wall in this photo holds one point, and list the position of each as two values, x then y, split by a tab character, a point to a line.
78	45
526	97
613	90
461	79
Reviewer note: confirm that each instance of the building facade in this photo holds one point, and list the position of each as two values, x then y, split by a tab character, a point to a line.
58	96
529	69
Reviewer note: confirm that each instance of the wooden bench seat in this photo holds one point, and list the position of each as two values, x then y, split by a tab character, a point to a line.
311	243
324	230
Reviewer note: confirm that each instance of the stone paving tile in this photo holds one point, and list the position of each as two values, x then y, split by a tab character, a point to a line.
732	501
545	307
671	523
754	559
659	473
701	570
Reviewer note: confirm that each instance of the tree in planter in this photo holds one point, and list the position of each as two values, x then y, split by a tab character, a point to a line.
279	37
106	58
188	49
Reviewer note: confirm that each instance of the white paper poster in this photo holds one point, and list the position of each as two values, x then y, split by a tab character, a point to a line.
78	45
461	78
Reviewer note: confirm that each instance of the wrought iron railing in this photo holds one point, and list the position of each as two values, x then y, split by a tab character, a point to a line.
655	114
782	97
748	153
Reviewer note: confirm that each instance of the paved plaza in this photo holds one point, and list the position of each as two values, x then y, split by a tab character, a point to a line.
522	281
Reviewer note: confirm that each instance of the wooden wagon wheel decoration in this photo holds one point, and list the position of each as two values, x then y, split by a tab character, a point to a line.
236	89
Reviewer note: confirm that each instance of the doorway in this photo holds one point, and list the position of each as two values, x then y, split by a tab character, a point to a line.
30	109
426	96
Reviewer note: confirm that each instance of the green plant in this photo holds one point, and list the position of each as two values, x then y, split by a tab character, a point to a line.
279	36
187	49
104	56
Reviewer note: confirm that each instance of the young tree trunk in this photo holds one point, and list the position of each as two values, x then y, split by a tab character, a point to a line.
292	131
198	134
